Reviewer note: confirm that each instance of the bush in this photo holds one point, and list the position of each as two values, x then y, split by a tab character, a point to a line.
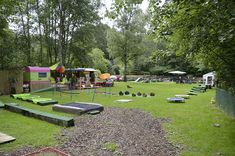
144	95
133	94
152	94
127	93
139	94
121	93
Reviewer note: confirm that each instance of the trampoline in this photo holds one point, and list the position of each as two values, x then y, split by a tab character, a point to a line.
78	107
176	100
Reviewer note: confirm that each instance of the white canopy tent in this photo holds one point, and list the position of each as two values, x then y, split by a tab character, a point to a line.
177	78
177	72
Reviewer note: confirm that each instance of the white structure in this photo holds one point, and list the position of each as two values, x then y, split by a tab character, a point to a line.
209	79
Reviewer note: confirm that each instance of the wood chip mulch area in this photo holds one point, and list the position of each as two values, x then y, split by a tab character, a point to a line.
133	132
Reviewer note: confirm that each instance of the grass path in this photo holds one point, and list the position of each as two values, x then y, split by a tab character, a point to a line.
191	125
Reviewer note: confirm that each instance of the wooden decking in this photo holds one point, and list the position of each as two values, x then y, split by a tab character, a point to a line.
4	138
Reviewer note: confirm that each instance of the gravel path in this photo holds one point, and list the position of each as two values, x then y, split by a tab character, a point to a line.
114	132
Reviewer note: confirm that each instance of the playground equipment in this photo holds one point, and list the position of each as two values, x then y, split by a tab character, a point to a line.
176	100
37	77
35	99
55	119
81	77
45	151
58	67
78	107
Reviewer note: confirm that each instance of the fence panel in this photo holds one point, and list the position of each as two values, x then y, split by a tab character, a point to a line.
226	101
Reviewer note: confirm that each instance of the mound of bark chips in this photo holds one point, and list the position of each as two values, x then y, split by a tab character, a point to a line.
133	132
114	132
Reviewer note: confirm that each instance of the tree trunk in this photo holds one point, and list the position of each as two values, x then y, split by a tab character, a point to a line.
28	36
40	32
125	69
61	31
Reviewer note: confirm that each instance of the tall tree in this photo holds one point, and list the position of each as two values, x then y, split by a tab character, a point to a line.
99	61
125	43
204	29
10	55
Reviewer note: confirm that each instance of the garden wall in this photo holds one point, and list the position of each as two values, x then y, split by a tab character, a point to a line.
226	101
11	79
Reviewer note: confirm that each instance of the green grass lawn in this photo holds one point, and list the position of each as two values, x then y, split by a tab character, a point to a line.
191	125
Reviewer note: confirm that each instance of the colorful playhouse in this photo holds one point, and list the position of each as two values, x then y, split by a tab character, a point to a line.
37	77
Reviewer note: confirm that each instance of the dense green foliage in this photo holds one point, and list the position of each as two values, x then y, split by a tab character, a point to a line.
190	125
99	61
202	31
125	44
192	36
46	32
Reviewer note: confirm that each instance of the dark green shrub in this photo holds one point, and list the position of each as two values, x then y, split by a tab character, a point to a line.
133	94
121	93
139	94
152	94
144	95
127	93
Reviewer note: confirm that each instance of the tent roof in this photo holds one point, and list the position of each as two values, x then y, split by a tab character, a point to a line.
80	69
53	67
209	74
177	72
36	69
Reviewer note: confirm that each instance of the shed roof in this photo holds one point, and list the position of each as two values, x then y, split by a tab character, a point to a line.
36	69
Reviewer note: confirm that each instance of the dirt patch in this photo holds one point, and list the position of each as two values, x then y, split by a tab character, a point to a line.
114	132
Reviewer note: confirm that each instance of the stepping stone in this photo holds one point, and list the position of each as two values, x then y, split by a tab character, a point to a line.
192	93
124	100
6	138
183	96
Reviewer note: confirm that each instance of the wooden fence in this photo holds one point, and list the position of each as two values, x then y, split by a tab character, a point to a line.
11	81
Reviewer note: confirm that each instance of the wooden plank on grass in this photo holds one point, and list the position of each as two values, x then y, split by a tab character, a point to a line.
5	138
55	119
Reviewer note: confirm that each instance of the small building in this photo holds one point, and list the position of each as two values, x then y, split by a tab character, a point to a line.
37	77
11	81
209	79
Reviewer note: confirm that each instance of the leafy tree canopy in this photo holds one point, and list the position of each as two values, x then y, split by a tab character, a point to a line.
203	30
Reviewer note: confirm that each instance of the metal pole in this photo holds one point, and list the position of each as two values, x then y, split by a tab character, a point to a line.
93	97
